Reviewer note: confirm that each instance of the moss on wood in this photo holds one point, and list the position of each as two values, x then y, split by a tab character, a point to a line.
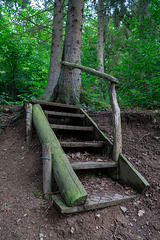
68	183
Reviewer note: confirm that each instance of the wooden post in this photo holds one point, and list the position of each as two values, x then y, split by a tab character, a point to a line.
117	133
68	183
28	107
47	170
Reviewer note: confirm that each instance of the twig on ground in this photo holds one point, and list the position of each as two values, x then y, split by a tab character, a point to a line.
20	115
49	206
145	136
115	231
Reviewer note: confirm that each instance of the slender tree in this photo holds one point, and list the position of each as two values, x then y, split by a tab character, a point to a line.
117	135
56	50
100	36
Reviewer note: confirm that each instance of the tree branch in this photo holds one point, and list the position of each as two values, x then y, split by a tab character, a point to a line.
39	26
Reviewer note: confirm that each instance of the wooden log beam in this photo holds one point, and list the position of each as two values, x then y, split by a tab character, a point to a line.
64	114
117	132
47	170
94	201
52	105
28	108
82	144
68	183
117	143
93	165
70	127
92	71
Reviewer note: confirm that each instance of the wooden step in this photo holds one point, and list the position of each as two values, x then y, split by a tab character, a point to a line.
82	144
64	114
93	165
95	200
50	104
69	127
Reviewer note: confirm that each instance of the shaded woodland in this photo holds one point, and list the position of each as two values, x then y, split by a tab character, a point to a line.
130	51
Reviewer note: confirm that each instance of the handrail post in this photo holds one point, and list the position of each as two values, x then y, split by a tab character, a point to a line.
117	132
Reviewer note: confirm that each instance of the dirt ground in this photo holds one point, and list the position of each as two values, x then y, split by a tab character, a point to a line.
24	215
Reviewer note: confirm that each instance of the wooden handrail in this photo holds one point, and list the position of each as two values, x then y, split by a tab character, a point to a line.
92	71
117	132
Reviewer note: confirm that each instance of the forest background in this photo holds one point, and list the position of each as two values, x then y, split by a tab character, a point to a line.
131	51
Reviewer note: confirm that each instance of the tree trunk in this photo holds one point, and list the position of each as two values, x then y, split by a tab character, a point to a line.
70	79
56	51
100	35
68	183
12	91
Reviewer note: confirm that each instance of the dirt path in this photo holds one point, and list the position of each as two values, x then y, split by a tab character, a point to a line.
25	215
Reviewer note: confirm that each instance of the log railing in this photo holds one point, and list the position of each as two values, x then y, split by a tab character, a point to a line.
92	71
117	134
71	189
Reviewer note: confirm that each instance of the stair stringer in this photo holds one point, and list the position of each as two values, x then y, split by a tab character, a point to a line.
126	173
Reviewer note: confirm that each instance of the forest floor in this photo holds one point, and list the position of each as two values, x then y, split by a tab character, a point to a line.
24	215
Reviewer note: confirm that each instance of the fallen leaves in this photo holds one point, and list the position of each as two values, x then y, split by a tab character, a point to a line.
85	157
141	213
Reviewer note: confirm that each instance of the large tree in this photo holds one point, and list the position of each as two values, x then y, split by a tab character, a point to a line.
56	50
69	80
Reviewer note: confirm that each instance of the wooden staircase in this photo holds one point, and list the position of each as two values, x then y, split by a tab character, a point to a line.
77	132
67	120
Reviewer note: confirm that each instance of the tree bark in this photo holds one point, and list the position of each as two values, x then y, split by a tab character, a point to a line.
56	51
68	183
117	132
70	79
100	35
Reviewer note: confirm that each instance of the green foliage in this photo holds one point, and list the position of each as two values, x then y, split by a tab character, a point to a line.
36	194
93	105
155	10
94	89
23	62
2	126
139	67
131	52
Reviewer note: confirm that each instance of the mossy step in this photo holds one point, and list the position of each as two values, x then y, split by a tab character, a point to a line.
93	165
52	104
70	127
82	144
64	114
95	200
